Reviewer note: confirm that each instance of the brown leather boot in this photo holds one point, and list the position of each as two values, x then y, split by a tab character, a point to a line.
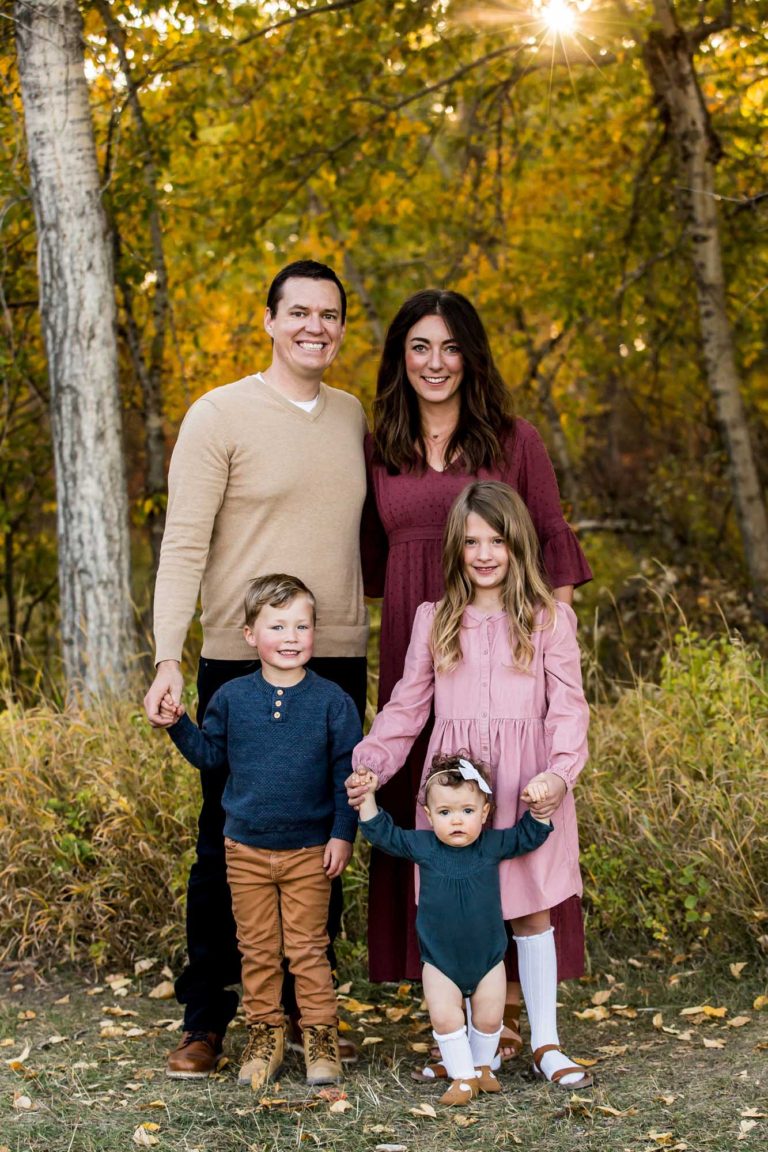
196	1056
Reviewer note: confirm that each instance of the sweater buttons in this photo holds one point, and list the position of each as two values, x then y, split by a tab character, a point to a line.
278	703
276	715
279	691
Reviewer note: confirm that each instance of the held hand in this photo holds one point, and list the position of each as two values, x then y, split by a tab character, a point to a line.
168	682
359	784
544	794
336	857
169	711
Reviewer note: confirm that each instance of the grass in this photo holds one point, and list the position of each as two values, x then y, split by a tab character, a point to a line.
664	1081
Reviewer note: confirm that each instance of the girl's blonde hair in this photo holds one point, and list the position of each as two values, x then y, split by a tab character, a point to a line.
525	590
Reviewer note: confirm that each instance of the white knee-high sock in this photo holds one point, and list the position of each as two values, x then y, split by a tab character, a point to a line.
456	1053
537	962
483	1046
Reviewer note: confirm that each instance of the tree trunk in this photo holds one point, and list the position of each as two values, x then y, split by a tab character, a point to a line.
669	61
77	308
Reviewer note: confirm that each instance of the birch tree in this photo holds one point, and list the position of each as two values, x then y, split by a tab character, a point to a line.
669	58
77	310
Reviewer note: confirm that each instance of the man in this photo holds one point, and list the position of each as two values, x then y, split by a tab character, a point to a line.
267	475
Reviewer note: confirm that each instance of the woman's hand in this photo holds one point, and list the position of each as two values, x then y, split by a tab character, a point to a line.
359	784
544	794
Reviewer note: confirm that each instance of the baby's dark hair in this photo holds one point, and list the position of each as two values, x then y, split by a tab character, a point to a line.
446	770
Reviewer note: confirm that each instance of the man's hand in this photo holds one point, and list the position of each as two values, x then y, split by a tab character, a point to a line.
544	794
163	700
336	857
359	784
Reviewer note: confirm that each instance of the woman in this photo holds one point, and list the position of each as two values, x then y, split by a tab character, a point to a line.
442	418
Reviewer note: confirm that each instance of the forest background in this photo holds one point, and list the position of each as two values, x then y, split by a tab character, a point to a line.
592	175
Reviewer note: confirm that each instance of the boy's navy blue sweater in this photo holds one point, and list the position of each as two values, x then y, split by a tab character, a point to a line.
289	752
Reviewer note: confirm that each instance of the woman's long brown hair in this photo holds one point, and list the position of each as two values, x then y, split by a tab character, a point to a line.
486	411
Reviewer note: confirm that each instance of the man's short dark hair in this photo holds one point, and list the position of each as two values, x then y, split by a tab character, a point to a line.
307	270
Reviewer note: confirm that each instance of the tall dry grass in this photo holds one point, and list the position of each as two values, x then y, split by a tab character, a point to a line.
96	831
674	806
97	819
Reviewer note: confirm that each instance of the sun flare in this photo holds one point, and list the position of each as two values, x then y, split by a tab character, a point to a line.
559	17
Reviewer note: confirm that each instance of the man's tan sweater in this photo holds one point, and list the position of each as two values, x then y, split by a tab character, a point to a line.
258	485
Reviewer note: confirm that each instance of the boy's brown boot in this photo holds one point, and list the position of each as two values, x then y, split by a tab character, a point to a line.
321	1054
461	1091
262	1056
486	1079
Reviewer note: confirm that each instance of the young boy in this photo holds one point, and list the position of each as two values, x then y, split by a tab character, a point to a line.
459	920
287	735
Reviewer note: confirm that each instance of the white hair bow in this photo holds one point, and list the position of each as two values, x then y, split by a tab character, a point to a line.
469	772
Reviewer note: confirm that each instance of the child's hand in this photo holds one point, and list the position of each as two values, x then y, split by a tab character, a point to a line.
336	857
359	784
544	794
169	711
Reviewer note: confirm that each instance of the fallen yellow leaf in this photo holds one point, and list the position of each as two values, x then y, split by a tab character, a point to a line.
759	1003
372	1040
344	989
396	1014
144	1138
419	1046
593	1014
22	1102
344	1026
602	996
626	1013
737	969
340	1106
352	1005
462	1121
745	1127
662	1138
424	1110
754	1112
713	1043
16	1061
144	965
658	1020
162	991
665	1099
739	1021
608	1111
585	1061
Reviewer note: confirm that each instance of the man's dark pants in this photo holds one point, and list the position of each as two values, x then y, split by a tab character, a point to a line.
213	958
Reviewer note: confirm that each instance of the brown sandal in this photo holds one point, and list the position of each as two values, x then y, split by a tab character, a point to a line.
486	1079
586	1080
460	1092
428	1073
512	1044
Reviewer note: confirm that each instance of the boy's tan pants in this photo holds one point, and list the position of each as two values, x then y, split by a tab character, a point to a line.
280	902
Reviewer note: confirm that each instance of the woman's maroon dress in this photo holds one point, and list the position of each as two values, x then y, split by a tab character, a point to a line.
402	560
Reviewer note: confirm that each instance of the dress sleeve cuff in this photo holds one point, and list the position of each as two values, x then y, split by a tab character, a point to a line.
564	560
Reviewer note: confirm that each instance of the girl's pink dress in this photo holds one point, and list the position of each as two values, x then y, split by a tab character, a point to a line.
519	722
401	544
